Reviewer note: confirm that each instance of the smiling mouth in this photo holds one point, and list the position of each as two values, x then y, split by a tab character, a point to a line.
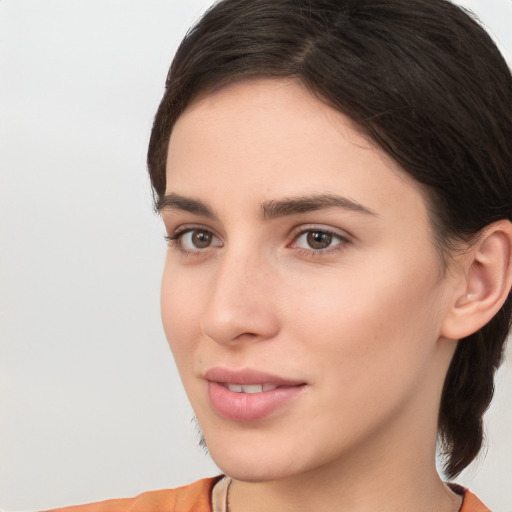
251	402
248	395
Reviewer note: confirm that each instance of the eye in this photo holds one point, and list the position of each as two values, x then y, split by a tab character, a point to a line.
318	240
194	239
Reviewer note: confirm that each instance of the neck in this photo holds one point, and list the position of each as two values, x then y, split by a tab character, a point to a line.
362	486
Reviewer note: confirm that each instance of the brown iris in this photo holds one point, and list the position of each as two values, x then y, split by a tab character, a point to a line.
201	239
319	239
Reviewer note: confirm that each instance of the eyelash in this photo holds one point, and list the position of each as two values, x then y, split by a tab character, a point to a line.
176	240
342	241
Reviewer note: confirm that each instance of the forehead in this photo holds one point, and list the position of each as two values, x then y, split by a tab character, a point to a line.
260	138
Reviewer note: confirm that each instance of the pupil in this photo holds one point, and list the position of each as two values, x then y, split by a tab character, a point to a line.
201	239
319	240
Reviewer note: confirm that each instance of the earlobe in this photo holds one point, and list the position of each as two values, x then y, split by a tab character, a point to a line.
486	280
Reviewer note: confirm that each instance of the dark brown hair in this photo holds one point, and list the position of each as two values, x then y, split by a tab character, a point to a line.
426	83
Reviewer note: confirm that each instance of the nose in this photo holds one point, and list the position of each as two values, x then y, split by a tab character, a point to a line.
241	307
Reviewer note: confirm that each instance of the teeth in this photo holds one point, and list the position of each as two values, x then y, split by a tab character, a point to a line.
251	388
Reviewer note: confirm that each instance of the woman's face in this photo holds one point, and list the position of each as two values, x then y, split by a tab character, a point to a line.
302	296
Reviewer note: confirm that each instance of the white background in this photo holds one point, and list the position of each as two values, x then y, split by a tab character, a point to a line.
90	402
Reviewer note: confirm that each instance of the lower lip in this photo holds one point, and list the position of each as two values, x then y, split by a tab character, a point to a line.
249	406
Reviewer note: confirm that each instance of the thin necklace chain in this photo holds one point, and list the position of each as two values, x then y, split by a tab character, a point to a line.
227	494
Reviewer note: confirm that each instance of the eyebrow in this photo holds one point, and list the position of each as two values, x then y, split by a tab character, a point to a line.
269	209
186	204
305	204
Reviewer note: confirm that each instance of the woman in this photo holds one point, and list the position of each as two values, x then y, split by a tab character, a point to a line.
335	182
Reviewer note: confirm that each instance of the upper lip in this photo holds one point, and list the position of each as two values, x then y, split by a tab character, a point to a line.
248	376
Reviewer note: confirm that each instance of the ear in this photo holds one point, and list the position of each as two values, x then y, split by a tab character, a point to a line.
483	282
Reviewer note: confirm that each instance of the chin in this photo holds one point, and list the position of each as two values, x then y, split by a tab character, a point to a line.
253	471
250	460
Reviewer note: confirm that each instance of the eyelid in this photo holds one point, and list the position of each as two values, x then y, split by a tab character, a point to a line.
184	228
175	238
304	228
343	236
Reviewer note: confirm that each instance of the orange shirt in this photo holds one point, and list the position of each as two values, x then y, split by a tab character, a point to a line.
196	498
190	498
472	504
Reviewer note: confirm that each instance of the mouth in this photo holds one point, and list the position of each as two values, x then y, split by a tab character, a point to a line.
249	395
249	388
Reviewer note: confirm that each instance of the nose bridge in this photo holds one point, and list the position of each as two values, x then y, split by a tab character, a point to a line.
240	303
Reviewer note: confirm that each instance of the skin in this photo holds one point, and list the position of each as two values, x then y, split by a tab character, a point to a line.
360	322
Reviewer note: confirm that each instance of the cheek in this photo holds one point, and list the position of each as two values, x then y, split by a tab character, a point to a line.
369	349
373	326
180	310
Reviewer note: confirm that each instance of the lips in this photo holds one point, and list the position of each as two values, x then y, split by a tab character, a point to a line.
249	395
